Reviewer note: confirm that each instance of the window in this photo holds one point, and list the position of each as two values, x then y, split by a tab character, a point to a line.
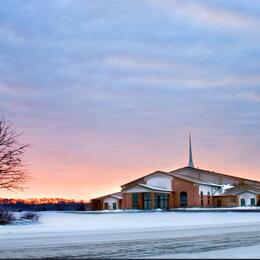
161	201
183	199
164	201
201	199
147	201
114	205
252	201
208	198
106	205
135	201
242	202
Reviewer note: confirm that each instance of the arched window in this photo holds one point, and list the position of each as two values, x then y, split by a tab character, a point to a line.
208	198
201	199
183	199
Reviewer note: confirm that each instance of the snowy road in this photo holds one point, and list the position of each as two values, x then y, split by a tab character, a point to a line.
223	235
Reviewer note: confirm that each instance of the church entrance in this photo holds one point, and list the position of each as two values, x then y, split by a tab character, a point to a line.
161	201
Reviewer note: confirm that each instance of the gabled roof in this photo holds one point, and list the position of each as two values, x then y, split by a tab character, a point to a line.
212	172
149	187
241	188
176	174
194	180
116	195
172	174
139	179
152	187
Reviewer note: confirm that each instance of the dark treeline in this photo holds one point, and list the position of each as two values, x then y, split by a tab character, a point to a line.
44	204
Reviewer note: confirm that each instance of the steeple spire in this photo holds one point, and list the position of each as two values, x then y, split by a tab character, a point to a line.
190	153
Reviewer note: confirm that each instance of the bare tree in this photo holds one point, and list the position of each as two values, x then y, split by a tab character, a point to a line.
13	173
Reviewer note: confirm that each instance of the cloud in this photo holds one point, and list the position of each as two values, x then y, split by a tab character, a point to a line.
11	36
202	12
162	73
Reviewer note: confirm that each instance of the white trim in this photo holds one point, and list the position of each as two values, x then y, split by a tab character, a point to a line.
140	187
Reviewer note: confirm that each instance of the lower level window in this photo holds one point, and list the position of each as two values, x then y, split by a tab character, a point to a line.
147	201
135	201
201	199
252	201
242	202
114	205
208	198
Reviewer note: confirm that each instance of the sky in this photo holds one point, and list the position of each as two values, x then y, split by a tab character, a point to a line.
108	91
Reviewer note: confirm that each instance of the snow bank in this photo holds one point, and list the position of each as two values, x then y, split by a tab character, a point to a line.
78	222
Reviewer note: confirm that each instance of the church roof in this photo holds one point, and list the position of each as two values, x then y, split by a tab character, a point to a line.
116	195
141	178
241	188
194	180
212	172
172	174
149	187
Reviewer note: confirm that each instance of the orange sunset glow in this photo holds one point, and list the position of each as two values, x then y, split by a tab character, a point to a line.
73	176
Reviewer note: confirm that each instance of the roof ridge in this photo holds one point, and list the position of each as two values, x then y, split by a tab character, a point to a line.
213	172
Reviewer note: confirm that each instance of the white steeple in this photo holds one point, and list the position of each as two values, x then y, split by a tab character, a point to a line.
190	153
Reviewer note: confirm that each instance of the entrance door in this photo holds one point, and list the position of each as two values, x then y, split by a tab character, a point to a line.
157	201
114	205
161	201
183	199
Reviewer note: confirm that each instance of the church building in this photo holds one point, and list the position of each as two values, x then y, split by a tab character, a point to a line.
181	188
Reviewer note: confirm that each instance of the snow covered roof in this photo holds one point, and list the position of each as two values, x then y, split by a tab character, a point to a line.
195	180
241	179
116	195
141	178
187	178
140	187
152	187
241	188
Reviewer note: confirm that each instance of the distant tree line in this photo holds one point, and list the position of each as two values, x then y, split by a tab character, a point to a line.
40	201
43	204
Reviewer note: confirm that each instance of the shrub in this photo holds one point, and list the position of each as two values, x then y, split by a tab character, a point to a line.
33	216
6	217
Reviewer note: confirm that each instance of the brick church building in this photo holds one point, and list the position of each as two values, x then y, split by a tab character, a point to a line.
181	188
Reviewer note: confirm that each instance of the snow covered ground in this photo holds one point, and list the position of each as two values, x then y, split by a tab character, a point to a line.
135	235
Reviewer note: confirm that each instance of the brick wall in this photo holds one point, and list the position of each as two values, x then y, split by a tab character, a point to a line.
96	204
205	201
226	201
140	201
127	200
258	200
191	189
171	200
